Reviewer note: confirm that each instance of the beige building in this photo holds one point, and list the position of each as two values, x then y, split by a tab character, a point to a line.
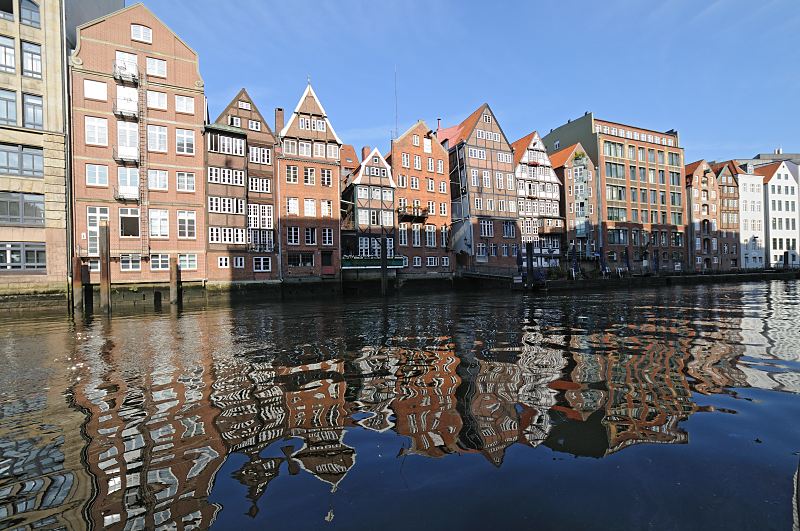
33	217
137	117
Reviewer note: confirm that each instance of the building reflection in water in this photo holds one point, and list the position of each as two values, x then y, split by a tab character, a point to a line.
160	423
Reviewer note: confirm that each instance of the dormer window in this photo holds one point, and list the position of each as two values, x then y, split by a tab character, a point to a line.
141	33
29	13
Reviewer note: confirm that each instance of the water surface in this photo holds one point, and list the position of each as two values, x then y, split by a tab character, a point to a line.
663	409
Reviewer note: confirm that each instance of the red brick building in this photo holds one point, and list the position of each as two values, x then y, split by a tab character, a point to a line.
421	169
309	188
137	120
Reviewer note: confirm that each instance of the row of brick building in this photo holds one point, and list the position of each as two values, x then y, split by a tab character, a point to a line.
240	200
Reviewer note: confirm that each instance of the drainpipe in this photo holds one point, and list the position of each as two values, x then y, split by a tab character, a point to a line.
66	115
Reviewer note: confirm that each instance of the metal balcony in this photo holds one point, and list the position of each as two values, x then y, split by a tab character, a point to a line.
126	108
411	213
126	155
126	193
126	72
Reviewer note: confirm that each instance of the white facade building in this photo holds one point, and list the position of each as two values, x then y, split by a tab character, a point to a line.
752	238
781	222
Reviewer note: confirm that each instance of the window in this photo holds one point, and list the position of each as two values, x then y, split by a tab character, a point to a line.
156	138
185	181
7	54
157	179
159	223
326	208
293	235
325	178
487	228
223	262
129	222
304	149
319	150
159	262
22	256
156	67
254	125
309	176
130	262
260	155
187	224
21	209
290	147
8	107
96	130
156	100
234	121
184	104
238	262
262	264
310	208
187	262
33	114
95	90
310	236
96	175
291	174
293	206
31	60
184	140
327	236
141	33
94	215
21	160
300	259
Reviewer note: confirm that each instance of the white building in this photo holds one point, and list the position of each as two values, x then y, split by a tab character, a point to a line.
539	201
752	238
781	219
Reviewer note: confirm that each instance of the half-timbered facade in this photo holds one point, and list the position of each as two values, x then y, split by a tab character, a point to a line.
241	208
483	193
541	220
579	199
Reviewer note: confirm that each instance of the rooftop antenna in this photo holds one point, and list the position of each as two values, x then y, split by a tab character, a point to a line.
396	132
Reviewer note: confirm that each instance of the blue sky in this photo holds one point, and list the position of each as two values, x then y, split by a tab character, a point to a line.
724	73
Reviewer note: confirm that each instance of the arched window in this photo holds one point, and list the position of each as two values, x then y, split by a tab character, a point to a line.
29	13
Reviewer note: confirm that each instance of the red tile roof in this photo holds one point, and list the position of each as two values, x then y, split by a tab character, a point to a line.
767	171
348	152
521	145
459	132
734	168
690	168
559	158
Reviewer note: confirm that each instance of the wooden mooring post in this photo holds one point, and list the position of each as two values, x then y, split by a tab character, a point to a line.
384	267
174	281
77	284
105	268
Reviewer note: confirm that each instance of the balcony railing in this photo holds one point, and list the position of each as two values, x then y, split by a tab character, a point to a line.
412	212
126	155
125	71
369	262
126	193
126	108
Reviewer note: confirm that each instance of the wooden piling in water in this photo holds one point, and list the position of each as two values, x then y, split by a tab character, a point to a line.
105	268
384	267
77	284
174	281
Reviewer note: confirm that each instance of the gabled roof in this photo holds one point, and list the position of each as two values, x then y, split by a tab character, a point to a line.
459	133
768	170
355	177
243	95
123	10
306	92
560	158
691	168
521	145
734	168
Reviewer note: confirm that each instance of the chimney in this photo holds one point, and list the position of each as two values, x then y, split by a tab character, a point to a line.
438	125
278	120
365	151
778	151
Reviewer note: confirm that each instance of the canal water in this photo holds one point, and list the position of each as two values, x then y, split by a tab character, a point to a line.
664	409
